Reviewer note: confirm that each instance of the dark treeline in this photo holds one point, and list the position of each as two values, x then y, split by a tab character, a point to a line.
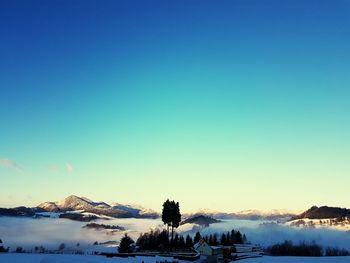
225	239
334	252
103	226
287	248
2	248
157	239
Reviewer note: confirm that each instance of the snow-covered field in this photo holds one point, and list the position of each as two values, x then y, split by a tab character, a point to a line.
42	258
267	259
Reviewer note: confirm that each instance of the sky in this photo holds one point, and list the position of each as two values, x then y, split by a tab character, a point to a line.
226	105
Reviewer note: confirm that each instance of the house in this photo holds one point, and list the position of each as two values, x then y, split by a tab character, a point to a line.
246	251
205	249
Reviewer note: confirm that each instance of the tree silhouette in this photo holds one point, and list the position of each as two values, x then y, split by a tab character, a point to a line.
163	239
171	215
210	240
125	244
166	216
61	246
189	242
159	240
238	238
176	240
175	217
223	239
2	249
197	237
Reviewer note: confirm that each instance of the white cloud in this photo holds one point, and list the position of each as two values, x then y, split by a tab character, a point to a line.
9	163
69	167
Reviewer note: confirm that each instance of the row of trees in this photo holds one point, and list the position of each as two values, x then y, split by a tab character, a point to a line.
37	249
287	248
226	239
159	240
335	252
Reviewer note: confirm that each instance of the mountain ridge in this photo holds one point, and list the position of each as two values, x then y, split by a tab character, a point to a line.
246	214
118	210
75	203
323	212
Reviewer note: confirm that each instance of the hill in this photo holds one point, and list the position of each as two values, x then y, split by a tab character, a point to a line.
247	214
75	203
323	212
80	206
201	220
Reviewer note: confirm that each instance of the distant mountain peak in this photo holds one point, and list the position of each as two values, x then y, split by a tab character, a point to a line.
74	203
250	214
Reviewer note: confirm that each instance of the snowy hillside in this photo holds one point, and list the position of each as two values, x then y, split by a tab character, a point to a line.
75	203
342	224
44	258
267	259
275	214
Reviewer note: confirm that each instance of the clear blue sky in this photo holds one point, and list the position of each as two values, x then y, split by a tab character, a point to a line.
226	105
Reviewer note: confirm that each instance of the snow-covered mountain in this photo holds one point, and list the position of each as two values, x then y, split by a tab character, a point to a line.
247	214
75	203
271	214
340	223
323	217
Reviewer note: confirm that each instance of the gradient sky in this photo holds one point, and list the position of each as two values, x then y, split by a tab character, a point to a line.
227	105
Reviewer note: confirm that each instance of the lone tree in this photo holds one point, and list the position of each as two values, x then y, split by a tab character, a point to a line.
2	249
125	244
196	238
171	215
189	241
61	247
175	217
166	217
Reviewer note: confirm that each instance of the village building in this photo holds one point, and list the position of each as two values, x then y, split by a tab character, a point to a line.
205	249
235	252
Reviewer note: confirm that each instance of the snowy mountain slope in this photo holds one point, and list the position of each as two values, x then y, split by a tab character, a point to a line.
247	214
75	203
59	258
342	224
49	206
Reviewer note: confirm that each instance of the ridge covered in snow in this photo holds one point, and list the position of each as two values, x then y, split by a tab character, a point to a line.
75	203
247	214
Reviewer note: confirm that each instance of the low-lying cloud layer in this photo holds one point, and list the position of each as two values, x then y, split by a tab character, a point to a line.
28	232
